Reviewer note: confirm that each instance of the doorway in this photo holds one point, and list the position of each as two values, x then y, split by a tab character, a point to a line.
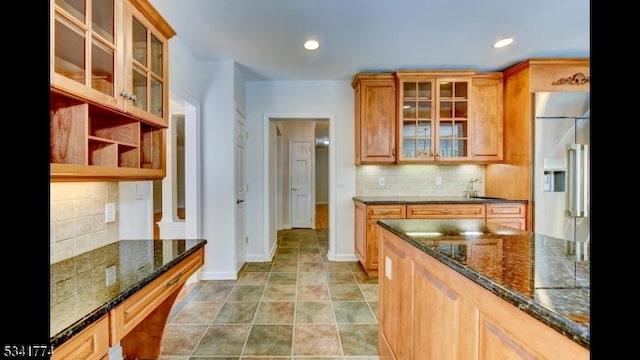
176	208
302	171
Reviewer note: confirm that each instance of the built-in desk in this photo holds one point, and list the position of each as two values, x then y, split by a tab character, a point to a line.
119	293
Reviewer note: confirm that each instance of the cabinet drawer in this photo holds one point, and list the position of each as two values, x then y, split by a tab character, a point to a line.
446	211
91	343
135	309
515	223
506	211
386	211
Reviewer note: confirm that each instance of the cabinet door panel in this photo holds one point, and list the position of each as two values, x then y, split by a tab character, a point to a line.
435	335
375	100
487	119
395	289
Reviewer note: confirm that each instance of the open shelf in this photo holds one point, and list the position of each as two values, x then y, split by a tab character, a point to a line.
92	142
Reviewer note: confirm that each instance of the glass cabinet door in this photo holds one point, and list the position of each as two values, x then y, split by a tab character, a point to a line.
453	128
85	48
147	70
417	119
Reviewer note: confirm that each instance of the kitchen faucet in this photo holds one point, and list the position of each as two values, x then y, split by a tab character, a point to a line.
470	190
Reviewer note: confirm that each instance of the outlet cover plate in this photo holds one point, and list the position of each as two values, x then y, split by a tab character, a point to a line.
110	212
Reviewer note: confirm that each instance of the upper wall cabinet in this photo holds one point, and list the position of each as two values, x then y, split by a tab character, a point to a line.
109	90
434	116
375	115
113	53
487	118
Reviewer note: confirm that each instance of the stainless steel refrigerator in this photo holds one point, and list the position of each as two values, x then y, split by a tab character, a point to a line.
561	193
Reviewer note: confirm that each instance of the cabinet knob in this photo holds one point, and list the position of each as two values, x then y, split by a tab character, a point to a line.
124	93
133	98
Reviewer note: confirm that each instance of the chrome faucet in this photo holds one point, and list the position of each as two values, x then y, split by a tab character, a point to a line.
470	192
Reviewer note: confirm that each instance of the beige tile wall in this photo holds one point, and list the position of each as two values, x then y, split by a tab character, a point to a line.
417	180
77	223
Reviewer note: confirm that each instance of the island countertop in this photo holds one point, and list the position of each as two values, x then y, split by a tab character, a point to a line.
85	287
546	277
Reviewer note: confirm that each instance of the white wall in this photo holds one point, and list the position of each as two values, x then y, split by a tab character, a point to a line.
332	98
322	175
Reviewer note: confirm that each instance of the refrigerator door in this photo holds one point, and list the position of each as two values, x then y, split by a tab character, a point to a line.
560	174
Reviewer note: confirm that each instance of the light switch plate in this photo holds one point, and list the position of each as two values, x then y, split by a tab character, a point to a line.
109	212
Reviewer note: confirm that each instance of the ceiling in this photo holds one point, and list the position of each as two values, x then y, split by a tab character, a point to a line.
265	37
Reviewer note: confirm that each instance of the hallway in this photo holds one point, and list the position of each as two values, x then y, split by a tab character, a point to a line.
299	306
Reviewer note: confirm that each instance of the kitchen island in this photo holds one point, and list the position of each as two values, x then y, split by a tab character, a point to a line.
118	293
474	289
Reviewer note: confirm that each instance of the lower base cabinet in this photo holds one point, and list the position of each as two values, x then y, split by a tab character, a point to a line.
92	343
429	311
367	215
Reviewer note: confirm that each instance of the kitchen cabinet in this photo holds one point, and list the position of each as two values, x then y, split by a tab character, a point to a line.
367	231
92	343
434	116
520	82
486	117
375	116
445	211
395	311
430	311
512	215
109	90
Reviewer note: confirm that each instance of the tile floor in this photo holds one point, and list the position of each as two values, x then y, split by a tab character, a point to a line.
299	306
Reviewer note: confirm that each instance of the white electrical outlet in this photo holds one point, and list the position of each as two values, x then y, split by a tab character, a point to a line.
438	180
381	181
387	267
109	212
111	275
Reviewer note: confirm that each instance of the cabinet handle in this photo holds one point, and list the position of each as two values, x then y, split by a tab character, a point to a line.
393	152
174	280
445	211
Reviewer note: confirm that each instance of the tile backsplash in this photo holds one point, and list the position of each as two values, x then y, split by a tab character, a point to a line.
418	180
77	218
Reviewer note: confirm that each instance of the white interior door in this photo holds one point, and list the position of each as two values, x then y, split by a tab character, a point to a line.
241	189
301	166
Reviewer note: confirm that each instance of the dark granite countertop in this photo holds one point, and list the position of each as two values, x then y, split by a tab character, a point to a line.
372	200
547	278
78	286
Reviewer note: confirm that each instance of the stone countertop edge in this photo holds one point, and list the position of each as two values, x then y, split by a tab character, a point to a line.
373	200
560	323
99	312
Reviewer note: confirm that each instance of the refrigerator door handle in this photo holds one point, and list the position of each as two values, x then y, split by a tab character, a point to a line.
577	180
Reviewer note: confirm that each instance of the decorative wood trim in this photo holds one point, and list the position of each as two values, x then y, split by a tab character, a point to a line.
576	79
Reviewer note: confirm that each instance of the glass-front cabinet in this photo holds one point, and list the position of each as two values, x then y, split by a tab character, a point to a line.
433	117
112	53
109	90
86	49
146	68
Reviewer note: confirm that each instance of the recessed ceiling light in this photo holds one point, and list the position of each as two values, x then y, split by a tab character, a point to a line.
503	42
311	45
